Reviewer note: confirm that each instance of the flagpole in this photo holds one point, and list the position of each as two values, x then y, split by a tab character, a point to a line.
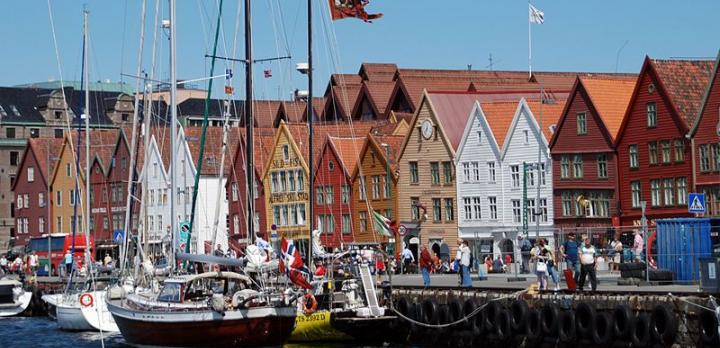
529	43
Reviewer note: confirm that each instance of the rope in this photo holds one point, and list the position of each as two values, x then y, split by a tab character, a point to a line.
459	321
692	303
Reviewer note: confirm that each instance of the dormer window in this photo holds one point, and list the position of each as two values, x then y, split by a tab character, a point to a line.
286	152
651	115
331	165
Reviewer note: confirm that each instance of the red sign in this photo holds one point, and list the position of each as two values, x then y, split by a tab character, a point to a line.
402	230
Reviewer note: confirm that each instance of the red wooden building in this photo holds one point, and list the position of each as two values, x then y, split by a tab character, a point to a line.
333	189
32	209
585	177
654	154
706	143
237	190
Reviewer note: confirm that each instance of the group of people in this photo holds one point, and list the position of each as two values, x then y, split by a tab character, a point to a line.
463	261
27	264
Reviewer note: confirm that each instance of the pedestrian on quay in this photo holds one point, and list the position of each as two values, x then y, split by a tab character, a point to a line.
525	247
407	258
638	243
68	261
18	265
3	264
616	248
33	262
588	253
569	252
464	261
426	265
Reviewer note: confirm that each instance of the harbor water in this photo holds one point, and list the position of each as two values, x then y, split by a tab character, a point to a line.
41	332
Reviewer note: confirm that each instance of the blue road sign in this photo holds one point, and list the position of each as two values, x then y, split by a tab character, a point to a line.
118	236
696	202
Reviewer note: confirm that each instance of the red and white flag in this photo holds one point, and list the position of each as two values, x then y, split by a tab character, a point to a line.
267	73
340	9
292	264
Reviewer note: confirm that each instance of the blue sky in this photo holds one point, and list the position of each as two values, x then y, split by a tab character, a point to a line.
576	36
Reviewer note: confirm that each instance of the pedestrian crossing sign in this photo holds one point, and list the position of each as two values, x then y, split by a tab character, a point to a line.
696	202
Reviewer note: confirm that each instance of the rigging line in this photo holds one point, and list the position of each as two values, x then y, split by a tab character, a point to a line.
122	41
204	132
284	29
132	172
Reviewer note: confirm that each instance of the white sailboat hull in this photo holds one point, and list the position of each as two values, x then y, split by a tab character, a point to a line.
22	303
97	315
70	317
73	316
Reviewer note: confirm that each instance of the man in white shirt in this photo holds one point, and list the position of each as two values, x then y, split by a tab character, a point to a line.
3	264
407	258
587	255
33	262
463	256
638	244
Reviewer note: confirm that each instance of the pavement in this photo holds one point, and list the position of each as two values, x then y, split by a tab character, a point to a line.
607	282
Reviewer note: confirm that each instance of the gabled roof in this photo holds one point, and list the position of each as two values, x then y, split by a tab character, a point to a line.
100	103
376	143
284	130
498	115
213	149
264	112
377	94
685	82
610	97
550	114
347	150
377	71
100	140
195	107
708	91
46	152
318	108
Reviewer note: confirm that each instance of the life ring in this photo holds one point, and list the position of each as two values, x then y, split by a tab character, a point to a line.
86	300
309	299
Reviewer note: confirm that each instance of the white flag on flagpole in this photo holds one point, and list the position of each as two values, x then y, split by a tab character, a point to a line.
536	16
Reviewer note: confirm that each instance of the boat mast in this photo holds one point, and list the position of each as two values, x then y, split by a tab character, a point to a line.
87	140
173	127
249	124
311	116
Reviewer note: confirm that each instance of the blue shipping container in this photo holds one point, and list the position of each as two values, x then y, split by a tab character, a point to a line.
680	245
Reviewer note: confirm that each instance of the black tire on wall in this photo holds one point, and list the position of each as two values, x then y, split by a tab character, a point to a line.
503	329
478	323
430	311
585	318
567	328
533	329
641	335
462	311
602	332
623	322
491	312
519	312
550	322
664	325
708	323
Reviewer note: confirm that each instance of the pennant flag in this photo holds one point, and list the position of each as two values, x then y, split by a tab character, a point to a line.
340	9
292	264
268	73
382	225
536	16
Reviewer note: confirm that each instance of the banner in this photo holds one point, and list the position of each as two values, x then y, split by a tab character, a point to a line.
340	9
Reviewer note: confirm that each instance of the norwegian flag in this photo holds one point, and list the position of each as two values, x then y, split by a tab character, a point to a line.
267	73
292	264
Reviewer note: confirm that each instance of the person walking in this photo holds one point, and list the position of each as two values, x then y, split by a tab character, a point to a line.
587	260
33	263
407	258
464	258
545	265
4	264
525	247
616	247
569	252
68	260
426	265
638	243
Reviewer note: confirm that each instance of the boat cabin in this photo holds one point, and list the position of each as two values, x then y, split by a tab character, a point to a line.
198	288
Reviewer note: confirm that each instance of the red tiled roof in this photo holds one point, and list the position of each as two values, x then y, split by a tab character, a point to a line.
47	153
685	82
318	107
380	94
294	110
550	114
377	71
347	150
264	112
213	148
452	111
394	143
610	97
499	115
344	99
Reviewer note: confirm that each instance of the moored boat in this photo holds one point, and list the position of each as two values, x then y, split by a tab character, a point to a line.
13	298
212	309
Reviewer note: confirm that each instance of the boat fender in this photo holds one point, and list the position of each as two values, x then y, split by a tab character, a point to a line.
566	327
463	311
86	300
623	322
519	311
641	334
602	331
550	320
585	318
503	328
309	304
478	323
708	323
533	329
443	315
430	309
664	325
492	309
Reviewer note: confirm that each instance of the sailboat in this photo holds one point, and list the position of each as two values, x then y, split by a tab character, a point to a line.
83	309
13	298
216	308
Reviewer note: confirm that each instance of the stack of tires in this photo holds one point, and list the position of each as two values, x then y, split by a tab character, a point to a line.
633	272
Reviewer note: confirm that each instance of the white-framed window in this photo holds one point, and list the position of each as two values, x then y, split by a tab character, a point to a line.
19	201
329	194
543	210
434	173
363	221
236	224
602	170
633	153
515	175
704	158
449	209
437	209
234	190
375	186
447	173
72	197
387	188
669	191
41	225
363	193
466	171
291	181
655	199
681	185
679	150
273	182
491	171
581	118
526	137
475	171
300	181
30	174
414	175
578	167
636	193
467	208
345	195
319	195
543	175
666	151
346	224
477	208
286	152
283	181
566	198
517	211
564	166
652	152
532	210
651	115
492	202
27	200
41	199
